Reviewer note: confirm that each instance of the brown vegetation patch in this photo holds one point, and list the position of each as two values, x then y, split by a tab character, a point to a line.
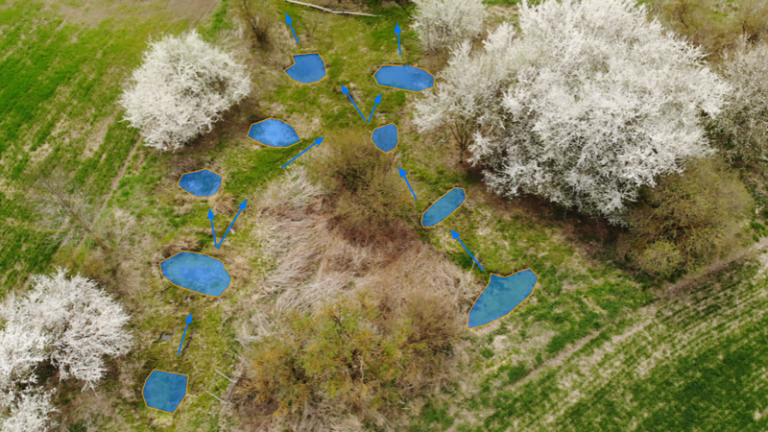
315	267
92	12
183	243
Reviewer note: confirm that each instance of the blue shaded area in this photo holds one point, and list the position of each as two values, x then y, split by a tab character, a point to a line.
202	184
442	208
308	68
404	77
501	296
197	272
164	391
385	137
274	133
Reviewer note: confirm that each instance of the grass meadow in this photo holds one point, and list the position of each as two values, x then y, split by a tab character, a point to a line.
595	347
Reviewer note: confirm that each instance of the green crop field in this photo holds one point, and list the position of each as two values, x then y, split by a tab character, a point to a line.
688	363
59	82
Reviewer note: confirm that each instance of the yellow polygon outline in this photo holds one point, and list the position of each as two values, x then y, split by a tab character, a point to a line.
398	138
466	196
203	169
160	264
293	57
398	88
274	118
486	287
186	387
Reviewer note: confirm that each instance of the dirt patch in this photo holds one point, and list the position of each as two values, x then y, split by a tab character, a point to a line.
92	12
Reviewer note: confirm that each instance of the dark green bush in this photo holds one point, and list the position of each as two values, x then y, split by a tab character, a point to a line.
687	219
362	354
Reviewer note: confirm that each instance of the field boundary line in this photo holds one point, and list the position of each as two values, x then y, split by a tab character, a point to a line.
118	177
341	12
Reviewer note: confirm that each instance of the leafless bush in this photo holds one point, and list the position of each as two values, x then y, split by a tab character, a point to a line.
222	203
368	195
358	354
260	20
407	297
741	131
714	25
66	209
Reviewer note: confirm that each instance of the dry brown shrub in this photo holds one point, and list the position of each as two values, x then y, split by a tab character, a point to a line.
97	266
353	355
179	244
688	219
368	196
222	203
414	301
712	24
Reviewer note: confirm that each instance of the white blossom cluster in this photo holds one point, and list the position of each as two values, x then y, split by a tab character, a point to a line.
588	103
68	321
181	89
744	121
442	23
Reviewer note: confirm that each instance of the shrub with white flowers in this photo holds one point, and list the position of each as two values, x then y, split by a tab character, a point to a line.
590	102
67	321
441	23
181	89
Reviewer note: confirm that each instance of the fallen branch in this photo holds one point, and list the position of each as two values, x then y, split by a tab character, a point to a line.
330	10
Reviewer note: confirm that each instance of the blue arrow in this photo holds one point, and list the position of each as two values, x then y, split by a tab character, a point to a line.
189	320
242	207
346	92
456	236
397	32
317	142
211	216
375	102
288	21
403	174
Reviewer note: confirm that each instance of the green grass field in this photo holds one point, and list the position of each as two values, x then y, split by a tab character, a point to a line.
59	83
593	348
690	363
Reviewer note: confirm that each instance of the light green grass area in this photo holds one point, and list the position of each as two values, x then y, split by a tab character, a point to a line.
687	363
59	82
578	355
58	86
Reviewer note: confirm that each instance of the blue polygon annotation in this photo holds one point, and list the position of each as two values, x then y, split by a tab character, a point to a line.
501	296
197	272
202	183
164	391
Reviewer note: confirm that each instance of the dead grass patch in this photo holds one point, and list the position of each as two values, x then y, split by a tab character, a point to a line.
313	265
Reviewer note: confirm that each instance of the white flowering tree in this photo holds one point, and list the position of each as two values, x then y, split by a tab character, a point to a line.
181	89
28	412
441	23
471	86
742	129
68	321
592	101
